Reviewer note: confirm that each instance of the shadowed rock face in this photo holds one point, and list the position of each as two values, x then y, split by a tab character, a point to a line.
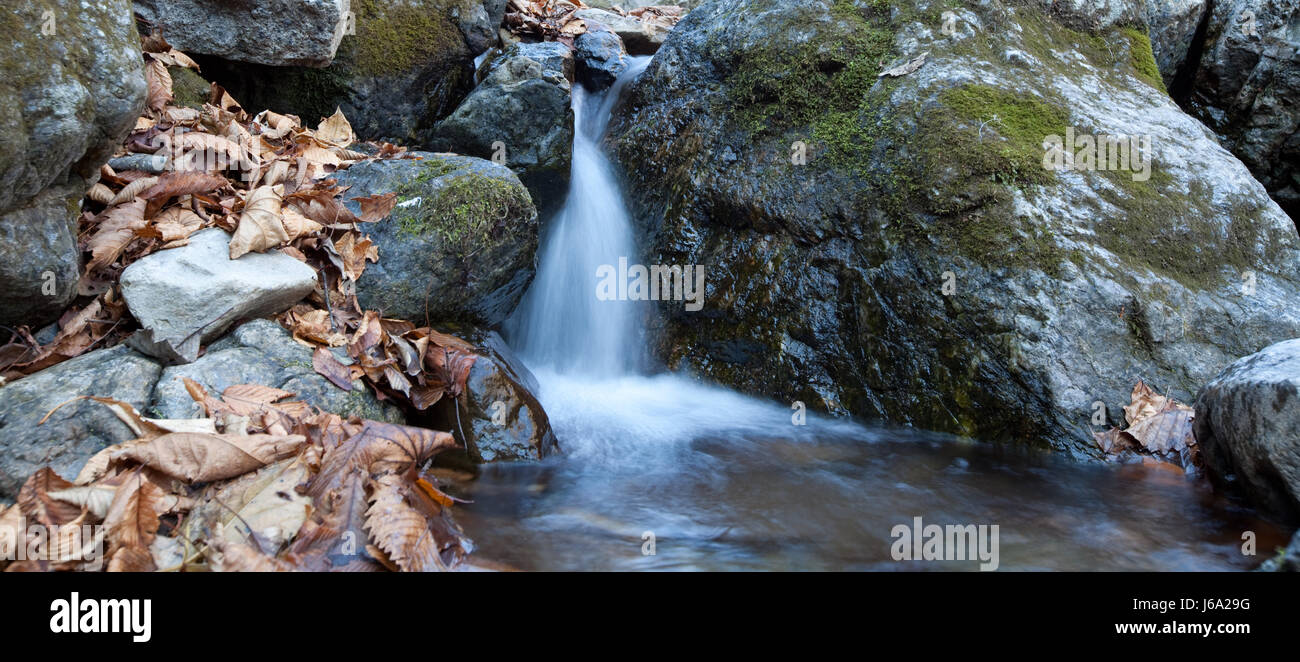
1247	89
461	245
522	111
1248	427
923	265
71	86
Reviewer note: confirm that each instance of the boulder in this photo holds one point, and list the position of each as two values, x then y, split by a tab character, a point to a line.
478	21
263	352
407	66
1247	89
278	32
499	417
640	37
905	247
1248	428
521	112
78	429
190	295
600	57
71	87
461	245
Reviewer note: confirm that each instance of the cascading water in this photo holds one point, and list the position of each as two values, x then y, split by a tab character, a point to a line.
722	481
561	325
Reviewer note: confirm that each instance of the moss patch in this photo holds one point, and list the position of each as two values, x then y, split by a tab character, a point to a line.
466	210
1143	59
397	36
189	88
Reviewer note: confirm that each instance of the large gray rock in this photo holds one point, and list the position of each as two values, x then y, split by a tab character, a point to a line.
1247	88
279	32
190	295
1248	427
262	352
522	110
71	87
923	266
461	245
499	418
600	57
78	429
407	66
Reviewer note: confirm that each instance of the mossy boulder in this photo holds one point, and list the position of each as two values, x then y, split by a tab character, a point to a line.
71	87
407	66
896	247
520	114
461	245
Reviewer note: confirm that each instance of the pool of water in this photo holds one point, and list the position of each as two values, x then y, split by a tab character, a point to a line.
725	482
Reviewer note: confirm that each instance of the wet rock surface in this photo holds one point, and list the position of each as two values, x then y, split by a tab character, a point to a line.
894	247
1248	427
461	245
520	114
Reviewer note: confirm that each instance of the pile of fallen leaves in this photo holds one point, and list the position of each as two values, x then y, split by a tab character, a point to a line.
260	483
1159	428
264	177
555	20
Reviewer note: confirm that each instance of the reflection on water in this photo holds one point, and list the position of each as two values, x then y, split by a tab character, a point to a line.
725	482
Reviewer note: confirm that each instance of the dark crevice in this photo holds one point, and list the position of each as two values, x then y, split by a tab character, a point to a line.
1185	77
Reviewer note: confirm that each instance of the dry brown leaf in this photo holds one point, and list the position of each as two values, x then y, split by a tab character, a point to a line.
116	230
1145	402
335	130
132	518
324	363
133	190
200	458
160	84
260	227
36	503
398	529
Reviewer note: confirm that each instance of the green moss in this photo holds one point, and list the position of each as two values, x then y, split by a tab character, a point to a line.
189	88
1008	126
465	211
823	82
1143	59
1181	235
398	36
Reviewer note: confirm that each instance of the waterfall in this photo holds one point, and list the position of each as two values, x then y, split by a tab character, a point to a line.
561	325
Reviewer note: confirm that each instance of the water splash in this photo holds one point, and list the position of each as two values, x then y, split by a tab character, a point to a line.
561	325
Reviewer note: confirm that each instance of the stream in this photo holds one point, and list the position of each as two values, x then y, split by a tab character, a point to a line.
661	472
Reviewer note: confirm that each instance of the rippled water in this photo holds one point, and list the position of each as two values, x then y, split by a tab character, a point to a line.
726	482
